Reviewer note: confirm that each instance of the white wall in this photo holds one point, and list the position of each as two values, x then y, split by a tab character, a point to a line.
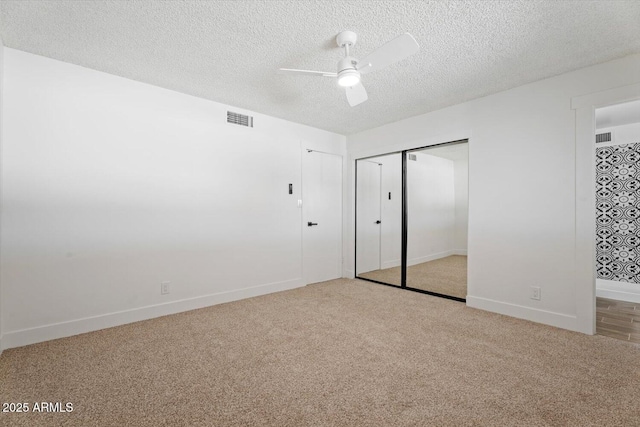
430	208
522	187
438	206
111	186
1	156
624	134
461	183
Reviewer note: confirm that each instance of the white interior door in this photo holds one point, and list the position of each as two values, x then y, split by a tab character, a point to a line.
321	216
368	216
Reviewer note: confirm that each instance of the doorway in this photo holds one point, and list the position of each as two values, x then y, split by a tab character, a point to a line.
617	225
585	230
321	216
411	219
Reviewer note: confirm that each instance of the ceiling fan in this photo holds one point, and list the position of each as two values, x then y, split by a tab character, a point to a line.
350	69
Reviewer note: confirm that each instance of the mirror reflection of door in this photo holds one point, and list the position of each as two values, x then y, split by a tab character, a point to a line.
437	211
378	218
369	222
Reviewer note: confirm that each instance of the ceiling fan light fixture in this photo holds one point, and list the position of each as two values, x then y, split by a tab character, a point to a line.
348	78
350	69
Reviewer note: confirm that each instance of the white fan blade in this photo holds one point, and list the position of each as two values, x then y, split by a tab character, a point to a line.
393	51
306	72
356	94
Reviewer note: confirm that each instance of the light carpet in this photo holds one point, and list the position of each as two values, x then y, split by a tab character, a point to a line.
339	353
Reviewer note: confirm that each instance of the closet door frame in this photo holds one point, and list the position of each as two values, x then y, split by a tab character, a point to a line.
405	221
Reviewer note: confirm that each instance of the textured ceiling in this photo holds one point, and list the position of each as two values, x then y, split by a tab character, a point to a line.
229	51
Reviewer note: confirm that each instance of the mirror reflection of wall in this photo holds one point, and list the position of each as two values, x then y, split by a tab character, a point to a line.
437	212
379	218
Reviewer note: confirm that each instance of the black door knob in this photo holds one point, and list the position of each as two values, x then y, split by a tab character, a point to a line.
378	222
311	224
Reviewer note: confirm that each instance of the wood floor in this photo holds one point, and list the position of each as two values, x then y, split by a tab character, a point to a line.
618	319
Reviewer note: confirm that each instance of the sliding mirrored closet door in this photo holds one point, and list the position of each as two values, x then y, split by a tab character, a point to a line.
437	216
412	212
379	218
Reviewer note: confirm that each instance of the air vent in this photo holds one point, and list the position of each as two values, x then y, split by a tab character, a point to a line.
413	157
603	137
239	119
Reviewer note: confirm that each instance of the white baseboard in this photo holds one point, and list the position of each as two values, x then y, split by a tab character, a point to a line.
621	291
427	258
391	264
80	326
350	274
558	320
618	295
431	257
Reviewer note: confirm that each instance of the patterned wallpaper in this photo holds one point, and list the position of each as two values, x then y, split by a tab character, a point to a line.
618	212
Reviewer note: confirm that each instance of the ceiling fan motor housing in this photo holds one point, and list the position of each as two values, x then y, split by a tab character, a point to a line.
347	73
347	63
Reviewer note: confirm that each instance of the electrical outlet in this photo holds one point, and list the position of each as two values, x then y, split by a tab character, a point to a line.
535	293
164	288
